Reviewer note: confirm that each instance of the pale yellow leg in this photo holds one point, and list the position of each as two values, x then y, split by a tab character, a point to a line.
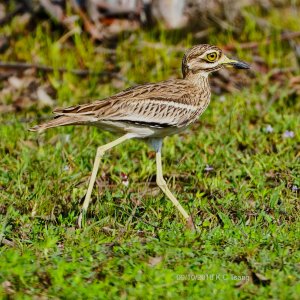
163	185
100	152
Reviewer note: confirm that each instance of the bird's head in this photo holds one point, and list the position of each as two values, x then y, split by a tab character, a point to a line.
204	59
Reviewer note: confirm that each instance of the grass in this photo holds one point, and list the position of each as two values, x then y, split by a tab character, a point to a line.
135	244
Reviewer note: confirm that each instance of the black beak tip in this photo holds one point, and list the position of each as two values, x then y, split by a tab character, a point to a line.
241	65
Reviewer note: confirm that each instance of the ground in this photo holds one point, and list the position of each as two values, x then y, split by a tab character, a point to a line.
236	171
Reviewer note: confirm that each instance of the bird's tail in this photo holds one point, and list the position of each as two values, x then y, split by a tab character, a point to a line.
61	121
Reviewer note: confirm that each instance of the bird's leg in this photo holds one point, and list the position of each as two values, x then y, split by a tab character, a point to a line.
163	185
100	152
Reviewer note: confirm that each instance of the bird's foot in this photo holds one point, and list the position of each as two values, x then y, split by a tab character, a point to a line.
190	224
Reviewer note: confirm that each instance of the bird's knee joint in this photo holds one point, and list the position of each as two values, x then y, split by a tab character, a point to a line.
161	183
100	151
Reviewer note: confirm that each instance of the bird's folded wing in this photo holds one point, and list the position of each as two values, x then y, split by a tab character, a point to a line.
144	105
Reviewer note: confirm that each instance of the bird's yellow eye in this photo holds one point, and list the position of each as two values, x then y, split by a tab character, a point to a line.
212	56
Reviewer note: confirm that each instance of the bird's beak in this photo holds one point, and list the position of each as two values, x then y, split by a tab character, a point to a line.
227	62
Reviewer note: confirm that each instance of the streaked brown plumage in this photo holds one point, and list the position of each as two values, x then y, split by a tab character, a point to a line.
151	111
172	103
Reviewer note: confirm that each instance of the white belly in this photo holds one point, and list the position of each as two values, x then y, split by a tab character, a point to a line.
140	130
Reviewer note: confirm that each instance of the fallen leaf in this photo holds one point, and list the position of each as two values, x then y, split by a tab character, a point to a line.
6	109
153	261
16	82
7	286
260	279
43	98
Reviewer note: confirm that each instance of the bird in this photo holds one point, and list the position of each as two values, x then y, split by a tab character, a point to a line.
150	112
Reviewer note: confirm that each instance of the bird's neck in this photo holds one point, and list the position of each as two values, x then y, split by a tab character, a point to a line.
199	79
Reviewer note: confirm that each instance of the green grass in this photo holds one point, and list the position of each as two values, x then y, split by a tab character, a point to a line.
135	244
